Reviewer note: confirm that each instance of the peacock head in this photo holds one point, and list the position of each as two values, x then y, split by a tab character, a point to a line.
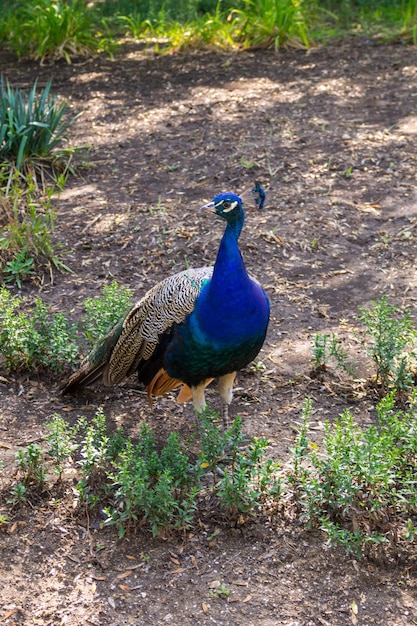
230	206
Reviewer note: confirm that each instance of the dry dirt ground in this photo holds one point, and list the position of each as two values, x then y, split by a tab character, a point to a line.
331	135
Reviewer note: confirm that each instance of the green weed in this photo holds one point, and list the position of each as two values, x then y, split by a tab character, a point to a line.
219	592
364	477
25	239
18	494
30	466
103	313
325	349
389	340
34	340
18	268
61	442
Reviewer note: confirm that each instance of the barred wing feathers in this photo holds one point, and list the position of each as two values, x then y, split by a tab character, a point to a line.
136	338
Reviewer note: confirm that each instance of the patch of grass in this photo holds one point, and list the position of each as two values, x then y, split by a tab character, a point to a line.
384	20
72	28
32	130
217	30
248	24
275	24
62	29
409	23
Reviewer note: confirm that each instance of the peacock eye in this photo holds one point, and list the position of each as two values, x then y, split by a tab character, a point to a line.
227	204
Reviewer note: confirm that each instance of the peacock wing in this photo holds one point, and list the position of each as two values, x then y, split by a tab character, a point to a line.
167	303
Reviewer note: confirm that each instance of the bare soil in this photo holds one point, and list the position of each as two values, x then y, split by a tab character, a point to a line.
331	135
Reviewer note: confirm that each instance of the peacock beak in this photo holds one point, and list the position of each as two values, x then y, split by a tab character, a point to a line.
210	206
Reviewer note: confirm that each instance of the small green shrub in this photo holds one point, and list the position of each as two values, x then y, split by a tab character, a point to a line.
327	348
163	486
39	340
247	480
61	441
389	341
365	477
105	311
18	494
154	486
30	465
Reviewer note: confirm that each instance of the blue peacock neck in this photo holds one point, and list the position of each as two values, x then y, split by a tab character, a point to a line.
229	266
230	295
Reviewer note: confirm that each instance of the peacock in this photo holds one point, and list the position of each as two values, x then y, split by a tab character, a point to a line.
191	328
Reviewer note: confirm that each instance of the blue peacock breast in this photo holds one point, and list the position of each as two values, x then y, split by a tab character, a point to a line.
218	337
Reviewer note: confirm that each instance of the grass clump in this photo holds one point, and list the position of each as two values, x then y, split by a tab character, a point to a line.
275	24
32	130
361	490
49	31
33	166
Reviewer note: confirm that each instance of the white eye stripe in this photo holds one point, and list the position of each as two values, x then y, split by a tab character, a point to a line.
230	208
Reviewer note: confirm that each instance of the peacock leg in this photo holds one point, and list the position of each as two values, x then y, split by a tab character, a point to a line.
199	400
225	387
